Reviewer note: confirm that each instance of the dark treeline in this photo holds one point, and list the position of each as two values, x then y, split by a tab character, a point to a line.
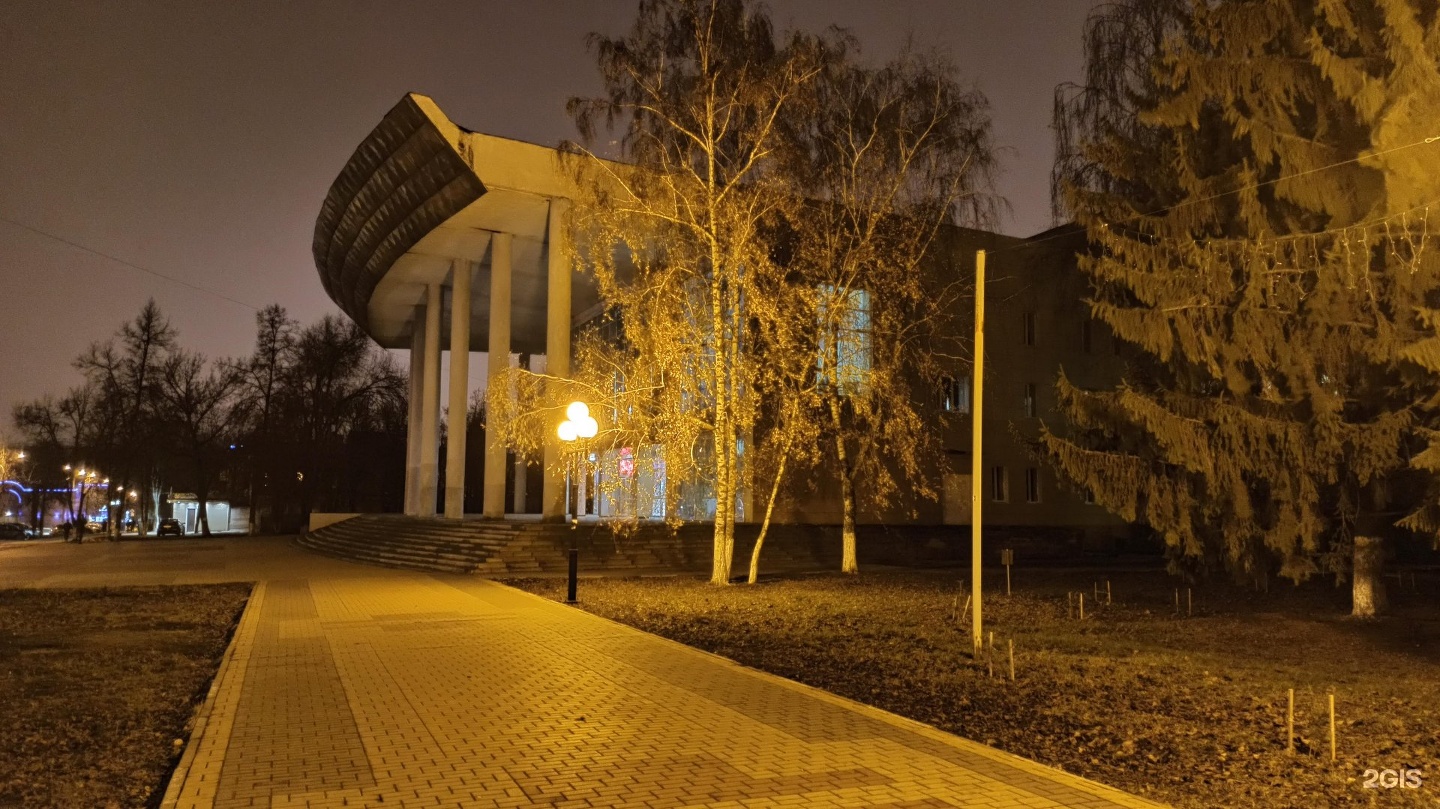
312	420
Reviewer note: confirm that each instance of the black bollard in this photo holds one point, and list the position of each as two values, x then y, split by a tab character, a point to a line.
574	571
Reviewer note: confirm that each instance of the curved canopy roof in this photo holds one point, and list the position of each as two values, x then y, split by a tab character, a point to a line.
420	192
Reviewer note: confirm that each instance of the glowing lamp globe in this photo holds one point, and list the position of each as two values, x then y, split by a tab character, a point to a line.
566	431
577	411
586	427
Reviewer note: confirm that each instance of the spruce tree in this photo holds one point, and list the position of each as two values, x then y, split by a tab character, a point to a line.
1255	179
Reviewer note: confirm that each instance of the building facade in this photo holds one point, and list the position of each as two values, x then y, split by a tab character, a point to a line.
437	239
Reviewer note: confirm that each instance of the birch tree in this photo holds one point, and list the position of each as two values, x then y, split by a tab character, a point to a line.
884	159
677	239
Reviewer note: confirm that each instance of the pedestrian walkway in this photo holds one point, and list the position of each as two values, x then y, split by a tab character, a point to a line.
354	686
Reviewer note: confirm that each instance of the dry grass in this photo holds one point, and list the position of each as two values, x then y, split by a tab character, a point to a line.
96	686
1186	710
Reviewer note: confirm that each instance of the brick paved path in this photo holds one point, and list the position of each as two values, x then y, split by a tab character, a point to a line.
352	686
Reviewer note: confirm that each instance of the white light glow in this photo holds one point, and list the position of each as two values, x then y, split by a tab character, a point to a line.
577	411
586	427
566	431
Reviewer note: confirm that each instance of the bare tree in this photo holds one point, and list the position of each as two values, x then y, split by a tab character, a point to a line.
197	401
886	158
124	372
262	385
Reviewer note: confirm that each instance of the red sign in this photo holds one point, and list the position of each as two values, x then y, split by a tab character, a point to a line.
627	463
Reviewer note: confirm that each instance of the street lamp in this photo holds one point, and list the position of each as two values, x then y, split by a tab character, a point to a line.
578	424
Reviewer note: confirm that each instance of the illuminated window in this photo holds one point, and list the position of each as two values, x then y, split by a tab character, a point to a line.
845	339
1029	328
1032	485
999	484
956	395
1030	405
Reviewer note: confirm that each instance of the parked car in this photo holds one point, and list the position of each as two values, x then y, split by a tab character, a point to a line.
170	527
15	530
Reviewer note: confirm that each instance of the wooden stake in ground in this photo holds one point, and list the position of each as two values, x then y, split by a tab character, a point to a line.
1177	600
1332	700
1082	606
1189	603
1069	605
1096	585
965	609
1290	724
1332	727
1107	592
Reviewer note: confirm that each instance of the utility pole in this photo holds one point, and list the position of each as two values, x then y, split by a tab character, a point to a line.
976	436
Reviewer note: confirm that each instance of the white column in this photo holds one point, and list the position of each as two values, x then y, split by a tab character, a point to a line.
499	347
457	427
430	407
412	431
557	354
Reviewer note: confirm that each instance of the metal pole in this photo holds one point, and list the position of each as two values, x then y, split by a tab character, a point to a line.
574	573
977	478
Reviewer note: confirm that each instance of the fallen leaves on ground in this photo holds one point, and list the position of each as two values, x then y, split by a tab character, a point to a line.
1189	710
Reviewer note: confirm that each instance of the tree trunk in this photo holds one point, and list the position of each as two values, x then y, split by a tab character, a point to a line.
202	498
1369	585
848	561
765	524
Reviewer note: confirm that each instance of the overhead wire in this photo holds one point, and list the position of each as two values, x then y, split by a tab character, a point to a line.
132	265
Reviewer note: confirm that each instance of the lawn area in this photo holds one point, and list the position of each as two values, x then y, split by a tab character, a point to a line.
96	686
1187	710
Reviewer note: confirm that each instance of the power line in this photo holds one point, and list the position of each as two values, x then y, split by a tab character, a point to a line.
132	265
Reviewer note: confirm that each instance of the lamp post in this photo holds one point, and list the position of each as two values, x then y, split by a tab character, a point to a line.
578	425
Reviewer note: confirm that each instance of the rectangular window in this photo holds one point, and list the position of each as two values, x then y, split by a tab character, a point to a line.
1086	343
1029	328
845	338
1030	405
956	395
999	484
1032	485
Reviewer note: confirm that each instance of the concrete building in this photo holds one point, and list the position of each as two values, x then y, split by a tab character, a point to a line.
437	239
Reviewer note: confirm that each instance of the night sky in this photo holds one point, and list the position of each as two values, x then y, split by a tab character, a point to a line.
198	139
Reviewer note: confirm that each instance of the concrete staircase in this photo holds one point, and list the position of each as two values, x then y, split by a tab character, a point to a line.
390	540
495	548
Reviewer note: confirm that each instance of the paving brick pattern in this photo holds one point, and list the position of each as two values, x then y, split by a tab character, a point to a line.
347	686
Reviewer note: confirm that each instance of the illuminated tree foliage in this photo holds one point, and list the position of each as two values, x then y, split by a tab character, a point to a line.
760	250
1255	178
675	240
